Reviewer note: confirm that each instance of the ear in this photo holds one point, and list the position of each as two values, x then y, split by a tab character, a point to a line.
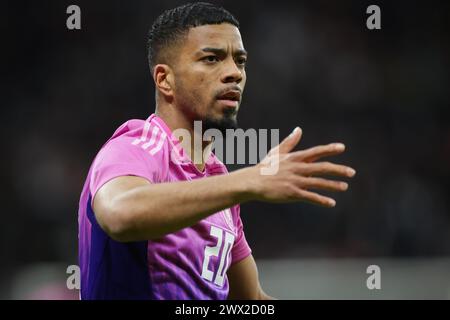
163	76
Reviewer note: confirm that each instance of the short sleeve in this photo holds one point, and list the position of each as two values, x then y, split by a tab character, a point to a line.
241	249
121	158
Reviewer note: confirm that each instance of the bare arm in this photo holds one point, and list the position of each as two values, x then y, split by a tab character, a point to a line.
244	281
132	209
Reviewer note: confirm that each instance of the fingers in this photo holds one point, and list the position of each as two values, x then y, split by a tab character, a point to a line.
288	143
315	153
323	184
315	198
325	168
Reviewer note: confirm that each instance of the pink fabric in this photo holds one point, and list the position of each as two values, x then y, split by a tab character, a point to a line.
190	263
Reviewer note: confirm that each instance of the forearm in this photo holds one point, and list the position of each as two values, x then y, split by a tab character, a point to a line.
153	210
140	211
265	296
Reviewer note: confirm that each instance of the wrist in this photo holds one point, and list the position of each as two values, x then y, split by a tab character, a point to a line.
246	183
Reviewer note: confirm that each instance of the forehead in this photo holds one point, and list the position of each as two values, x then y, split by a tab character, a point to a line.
214	35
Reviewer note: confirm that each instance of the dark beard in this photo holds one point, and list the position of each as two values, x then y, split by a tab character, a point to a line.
227	122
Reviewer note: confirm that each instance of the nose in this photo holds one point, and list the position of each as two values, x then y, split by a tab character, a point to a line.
232	72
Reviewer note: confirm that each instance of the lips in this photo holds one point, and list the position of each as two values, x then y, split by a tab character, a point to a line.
231	95
229	103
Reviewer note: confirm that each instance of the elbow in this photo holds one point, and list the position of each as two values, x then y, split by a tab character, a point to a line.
115	222
119	233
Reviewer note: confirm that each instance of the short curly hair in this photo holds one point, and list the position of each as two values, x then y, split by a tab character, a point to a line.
173	24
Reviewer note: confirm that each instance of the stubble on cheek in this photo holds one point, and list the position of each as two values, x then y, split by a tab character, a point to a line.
189	98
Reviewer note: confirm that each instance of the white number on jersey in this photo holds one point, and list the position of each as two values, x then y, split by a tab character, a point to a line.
214	251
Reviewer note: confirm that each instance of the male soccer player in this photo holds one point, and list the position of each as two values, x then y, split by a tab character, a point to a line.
155	225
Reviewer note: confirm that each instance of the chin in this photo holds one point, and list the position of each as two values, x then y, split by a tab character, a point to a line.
226	121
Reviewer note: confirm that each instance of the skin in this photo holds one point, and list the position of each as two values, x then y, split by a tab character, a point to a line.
187	89
211	60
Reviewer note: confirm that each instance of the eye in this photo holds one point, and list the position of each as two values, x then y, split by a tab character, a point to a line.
211	59
241	61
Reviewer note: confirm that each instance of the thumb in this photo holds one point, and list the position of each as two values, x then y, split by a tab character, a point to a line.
289	142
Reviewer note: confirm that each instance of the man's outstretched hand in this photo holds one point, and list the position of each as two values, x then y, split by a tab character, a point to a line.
285	175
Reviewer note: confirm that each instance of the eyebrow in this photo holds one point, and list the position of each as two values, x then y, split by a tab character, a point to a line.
220	51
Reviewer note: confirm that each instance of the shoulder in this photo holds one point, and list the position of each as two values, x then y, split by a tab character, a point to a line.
138	143
143	135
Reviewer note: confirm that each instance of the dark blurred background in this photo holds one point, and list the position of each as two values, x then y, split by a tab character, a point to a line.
384	93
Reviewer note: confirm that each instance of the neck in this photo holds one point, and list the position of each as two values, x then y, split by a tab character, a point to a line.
177	120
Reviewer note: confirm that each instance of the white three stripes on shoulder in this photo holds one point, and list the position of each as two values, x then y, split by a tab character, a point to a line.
159	145
153	139
144	134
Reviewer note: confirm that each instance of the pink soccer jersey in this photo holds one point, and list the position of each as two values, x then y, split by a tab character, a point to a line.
191	263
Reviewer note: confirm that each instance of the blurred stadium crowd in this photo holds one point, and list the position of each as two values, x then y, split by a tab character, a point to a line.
384	93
